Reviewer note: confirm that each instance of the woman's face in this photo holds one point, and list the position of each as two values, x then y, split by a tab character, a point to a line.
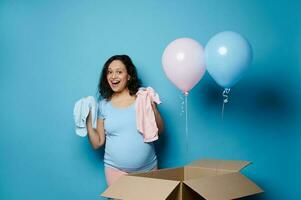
117	76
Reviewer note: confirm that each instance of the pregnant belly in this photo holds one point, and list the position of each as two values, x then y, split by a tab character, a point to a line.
128	154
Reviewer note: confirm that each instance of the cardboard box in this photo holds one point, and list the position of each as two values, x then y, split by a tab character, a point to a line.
203	179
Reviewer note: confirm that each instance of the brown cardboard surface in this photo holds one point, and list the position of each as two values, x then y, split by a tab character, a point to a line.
228	165
191	172
223	187
137	188
204	179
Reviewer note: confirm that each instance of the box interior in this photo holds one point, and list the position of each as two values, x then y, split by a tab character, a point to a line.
181	173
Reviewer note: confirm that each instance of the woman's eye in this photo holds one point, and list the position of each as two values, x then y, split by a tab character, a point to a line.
119	72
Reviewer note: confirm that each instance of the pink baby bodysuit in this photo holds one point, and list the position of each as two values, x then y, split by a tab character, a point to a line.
145	117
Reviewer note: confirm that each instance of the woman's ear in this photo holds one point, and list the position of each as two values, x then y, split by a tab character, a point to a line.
129	77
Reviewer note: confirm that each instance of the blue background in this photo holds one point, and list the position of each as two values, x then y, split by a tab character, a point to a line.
52	52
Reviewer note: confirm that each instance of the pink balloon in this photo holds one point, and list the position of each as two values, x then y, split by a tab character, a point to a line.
183	63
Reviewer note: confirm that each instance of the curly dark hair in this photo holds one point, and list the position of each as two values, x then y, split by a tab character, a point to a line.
133	84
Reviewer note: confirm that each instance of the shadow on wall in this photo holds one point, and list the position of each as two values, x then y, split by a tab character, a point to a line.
169	147
91	155
267	102
160	145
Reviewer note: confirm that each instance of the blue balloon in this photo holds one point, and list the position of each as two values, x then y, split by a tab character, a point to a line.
227	56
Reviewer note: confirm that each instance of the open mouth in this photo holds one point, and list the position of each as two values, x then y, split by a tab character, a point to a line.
115	83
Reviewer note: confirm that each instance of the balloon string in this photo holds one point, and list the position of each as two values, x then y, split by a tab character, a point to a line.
225	95
186	125
182	105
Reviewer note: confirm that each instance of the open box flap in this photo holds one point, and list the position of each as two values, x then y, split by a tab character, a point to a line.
223	187
136	188
228	165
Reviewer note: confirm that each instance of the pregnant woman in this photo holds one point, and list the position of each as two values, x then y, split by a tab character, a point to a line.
125	148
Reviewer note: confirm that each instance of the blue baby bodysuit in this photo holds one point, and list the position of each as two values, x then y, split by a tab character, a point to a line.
124	148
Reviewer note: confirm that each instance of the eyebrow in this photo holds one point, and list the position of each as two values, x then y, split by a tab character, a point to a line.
119	68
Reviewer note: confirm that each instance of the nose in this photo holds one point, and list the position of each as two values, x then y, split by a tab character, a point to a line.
114	75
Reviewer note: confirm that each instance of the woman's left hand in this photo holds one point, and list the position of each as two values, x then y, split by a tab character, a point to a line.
154	106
